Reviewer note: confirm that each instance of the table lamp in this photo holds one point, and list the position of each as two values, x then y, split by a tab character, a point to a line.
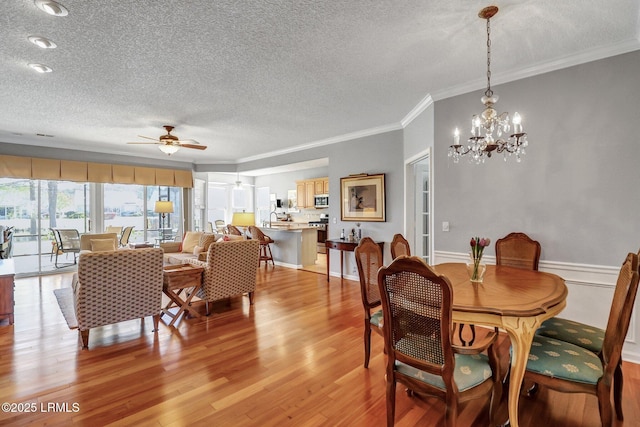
244	220
163	207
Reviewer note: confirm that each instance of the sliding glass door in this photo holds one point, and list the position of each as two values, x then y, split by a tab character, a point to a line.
33	207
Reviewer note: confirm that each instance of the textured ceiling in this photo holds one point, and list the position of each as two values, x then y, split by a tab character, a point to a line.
253	78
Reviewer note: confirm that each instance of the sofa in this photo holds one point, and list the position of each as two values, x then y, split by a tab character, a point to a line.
133	279
230	269
194	244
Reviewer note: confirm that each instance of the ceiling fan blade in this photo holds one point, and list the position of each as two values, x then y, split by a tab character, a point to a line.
188	141
144	143
147	137
197	147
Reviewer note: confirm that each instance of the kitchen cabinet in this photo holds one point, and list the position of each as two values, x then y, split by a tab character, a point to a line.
308	188
301	199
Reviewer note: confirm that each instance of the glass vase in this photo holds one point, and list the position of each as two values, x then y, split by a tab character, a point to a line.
476	269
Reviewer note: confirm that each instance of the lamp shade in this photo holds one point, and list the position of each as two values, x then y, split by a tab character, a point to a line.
163	207
243	219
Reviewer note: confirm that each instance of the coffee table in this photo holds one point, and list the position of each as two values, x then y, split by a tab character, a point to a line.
177	279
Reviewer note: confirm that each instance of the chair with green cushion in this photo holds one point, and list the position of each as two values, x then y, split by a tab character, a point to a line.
417	329
369	259
399	246
585	336
568	367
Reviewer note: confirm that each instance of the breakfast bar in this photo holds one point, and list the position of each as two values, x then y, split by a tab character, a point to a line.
295	244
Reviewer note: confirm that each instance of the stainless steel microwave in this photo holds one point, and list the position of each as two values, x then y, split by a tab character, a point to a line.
321	201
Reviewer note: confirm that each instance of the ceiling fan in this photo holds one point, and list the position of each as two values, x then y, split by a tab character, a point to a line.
169	144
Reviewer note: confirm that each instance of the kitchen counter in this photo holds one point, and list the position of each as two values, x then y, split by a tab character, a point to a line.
295	244
283	225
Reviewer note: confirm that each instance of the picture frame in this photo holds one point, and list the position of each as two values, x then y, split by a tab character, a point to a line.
362	198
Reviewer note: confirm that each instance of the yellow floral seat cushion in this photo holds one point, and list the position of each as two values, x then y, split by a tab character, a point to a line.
576	333
559	359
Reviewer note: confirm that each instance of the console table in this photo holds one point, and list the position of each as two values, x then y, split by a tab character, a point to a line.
342	246
7	273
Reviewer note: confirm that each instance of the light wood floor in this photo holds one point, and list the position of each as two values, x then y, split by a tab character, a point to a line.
294	358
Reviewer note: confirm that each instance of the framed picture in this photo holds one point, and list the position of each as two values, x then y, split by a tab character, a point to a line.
362	198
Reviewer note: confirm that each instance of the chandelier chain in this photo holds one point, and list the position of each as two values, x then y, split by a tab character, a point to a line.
488	92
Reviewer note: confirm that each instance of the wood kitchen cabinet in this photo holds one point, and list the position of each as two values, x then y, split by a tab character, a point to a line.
308	188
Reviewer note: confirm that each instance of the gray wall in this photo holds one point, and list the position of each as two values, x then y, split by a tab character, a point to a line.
576	191
418	135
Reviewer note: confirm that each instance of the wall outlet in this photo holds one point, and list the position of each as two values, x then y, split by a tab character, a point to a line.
445	226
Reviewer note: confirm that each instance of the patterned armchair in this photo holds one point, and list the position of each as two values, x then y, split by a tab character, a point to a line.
230	269
133	279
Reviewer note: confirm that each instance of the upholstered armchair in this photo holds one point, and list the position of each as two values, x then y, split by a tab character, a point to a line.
230	269
114	286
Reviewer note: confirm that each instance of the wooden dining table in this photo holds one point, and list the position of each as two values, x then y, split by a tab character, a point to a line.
513	299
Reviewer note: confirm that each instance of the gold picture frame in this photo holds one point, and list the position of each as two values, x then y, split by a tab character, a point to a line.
362	198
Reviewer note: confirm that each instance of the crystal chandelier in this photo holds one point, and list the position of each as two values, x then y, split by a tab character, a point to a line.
482	143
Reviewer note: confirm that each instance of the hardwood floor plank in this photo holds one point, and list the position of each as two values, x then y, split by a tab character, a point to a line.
294	358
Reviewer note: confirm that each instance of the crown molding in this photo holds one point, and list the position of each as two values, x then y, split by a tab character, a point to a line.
327	141
583	57
415	112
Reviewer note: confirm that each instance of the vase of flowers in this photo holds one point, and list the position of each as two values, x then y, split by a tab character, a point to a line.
475	267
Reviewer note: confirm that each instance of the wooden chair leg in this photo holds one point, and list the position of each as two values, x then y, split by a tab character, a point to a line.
156	322
84	336
367	341
617	390
250	298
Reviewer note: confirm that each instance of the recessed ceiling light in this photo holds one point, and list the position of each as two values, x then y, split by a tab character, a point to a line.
42	42
52	7
41	68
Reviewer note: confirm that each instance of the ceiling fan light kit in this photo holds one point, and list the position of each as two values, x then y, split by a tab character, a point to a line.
168	149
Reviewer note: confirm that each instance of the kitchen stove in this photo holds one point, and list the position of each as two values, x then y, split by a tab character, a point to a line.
322	226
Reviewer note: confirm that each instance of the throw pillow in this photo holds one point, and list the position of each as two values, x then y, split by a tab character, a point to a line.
191	239
206	240
102	245
229	237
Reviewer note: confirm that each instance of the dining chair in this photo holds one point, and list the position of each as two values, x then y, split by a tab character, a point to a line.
232	229
518	250
113	229
399	246
67	241
125	236
265	245
220	225
417	330
567	367
369	259
589	337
